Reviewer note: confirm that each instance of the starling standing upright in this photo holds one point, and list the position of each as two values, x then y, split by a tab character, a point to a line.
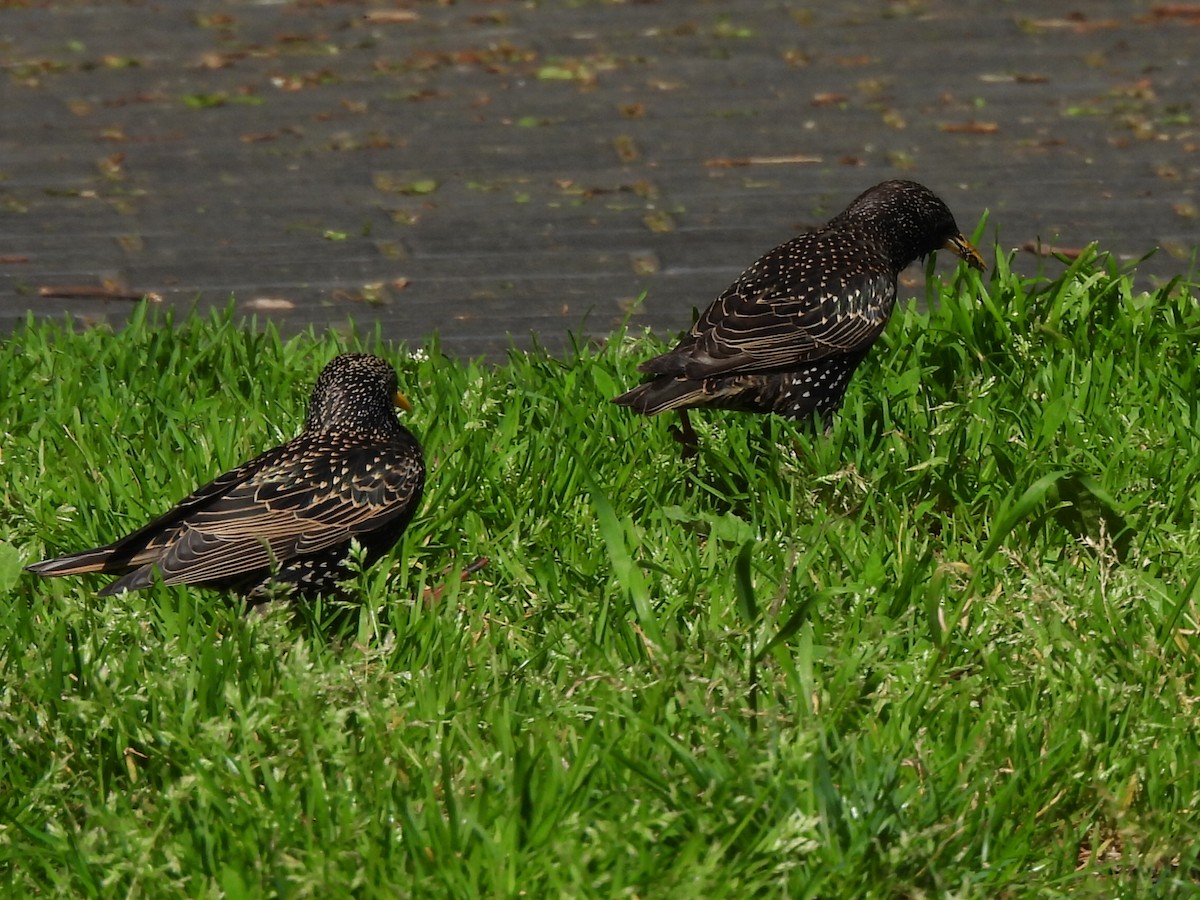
788	334
283	522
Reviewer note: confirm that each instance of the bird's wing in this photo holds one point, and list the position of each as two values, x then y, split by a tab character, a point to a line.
785	310
147	543
288	509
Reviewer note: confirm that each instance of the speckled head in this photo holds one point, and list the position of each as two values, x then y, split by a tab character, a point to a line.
910	221
355	390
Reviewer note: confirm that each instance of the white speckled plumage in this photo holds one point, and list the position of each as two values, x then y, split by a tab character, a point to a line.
284	521
788	334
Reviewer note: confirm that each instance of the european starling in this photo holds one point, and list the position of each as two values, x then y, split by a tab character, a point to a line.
283	522
787	335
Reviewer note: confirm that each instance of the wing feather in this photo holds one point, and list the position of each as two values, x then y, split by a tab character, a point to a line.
283	512
786	310
145	545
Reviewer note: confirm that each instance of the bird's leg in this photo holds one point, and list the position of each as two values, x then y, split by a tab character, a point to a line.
686	435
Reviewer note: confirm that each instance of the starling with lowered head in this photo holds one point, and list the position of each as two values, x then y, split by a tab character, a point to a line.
282	523
788	334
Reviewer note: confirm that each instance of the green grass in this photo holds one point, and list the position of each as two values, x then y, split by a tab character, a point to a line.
949	650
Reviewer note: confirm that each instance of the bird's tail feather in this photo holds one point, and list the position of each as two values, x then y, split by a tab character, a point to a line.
134	581
75	563
660	394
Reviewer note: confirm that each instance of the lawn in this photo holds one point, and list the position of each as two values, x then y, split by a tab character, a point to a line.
949	649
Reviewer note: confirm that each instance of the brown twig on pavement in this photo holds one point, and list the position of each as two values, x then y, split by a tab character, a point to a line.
1037	248
760	161
94	292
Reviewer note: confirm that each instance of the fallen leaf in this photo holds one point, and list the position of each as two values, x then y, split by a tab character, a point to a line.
625	148
1177	11
645	262
386	181
659	221
214	20
94	292
761	161
143	97
1015	78
269	304
562	73
828	99
1037	248
215	61
971	127
1076	22
391	16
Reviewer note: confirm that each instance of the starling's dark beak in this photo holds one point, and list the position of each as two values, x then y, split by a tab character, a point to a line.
962	247
402	402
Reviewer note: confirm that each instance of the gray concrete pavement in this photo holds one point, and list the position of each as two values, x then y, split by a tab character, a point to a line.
485	169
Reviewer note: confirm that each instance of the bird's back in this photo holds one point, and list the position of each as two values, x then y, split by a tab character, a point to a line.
285	517
824	293
290	522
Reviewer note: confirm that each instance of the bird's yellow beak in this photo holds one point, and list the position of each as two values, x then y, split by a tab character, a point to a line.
963	248
402	402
